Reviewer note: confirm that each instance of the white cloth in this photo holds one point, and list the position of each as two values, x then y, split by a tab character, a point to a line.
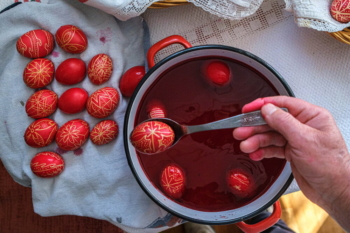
311	13
97	181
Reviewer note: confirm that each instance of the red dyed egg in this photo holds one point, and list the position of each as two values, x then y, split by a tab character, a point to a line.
340	10
240	182
41	104
36	43
73	134
71	39
156	109
100	69
172	181
218	72
103	102
104	132
152	137
131	79
71	71
47	164
40	133
73	100
38	73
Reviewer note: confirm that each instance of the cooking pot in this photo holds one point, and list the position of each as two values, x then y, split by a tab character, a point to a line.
235	215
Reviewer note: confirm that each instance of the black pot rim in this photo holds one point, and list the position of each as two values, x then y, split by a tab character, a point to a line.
126	137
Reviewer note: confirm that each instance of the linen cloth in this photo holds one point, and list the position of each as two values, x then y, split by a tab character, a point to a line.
307	13
97	181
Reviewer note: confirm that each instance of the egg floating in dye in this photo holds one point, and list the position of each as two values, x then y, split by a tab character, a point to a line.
41	104
131	79
47	164
38	73
340	10
103	102
104	132
156	109
35	43
100	69
152	137
73	134
157	112
240	182
217	72
71	71
40	133
71	39
172	181
73	100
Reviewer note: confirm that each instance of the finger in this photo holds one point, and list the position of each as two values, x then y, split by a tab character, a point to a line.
294	105
268	152
262	140
283	122
242	133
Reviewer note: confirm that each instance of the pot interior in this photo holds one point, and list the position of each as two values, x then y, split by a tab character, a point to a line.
180	84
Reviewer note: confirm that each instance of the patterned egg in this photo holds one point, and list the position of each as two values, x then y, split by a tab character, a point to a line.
36	43
340	10
104	132
73	100
38	73
172	181
71	39
103	102
218	72
73	134
152	137
240	182
41	104
47	164
100	69
71	71
41	133
131	79
156	109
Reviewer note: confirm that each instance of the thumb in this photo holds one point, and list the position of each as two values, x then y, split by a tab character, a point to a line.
282	121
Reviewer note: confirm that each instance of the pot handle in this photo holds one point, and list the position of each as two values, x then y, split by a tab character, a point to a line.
175	39
264	224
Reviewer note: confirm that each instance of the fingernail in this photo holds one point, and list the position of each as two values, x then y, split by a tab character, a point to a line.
268	109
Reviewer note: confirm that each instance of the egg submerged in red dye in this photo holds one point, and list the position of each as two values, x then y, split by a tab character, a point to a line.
217	72
241	183
172	181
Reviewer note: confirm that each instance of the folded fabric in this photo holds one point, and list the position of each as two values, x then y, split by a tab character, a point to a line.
312	14
97	181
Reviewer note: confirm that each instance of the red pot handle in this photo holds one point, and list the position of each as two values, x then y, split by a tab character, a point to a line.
264	224
175	39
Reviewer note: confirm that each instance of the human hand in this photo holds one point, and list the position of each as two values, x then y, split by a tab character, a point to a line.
309	139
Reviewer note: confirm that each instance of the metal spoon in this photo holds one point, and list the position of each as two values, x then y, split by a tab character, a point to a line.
242	120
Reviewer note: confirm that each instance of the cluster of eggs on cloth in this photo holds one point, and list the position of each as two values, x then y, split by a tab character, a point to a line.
40	72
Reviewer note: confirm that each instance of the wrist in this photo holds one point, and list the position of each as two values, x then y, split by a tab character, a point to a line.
338	204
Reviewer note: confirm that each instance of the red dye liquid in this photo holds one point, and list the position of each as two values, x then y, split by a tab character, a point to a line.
207	157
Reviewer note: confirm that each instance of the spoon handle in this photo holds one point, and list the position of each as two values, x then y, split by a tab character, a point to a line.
242	120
